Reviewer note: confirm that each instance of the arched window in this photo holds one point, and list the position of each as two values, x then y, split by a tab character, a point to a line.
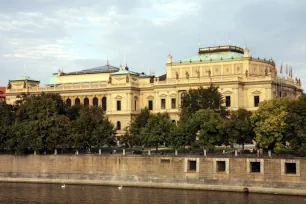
118	125
68	102
86	102
104	103
95	101
77	101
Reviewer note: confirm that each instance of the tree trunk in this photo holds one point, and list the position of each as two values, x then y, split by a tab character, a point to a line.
243	146
156	148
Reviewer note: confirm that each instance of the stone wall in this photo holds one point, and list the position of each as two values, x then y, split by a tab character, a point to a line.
283	176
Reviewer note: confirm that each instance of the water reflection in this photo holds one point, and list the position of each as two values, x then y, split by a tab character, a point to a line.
53	193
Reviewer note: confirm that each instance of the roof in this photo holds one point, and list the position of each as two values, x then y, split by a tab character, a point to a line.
125	70
162	77
101	69
215	54
23	78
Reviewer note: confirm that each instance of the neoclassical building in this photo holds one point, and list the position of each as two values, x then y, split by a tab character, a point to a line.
243	80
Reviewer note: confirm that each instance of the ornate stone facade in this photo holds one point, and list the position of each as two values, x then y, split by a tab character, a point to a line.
244	82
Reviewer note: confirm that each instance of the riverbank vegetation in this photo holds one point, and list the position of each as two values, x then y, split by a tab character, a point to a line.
44	122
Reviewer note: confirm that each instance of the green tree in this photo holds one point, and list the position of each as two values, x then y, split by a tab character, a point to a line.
270	123
91	129
206	121
157	129
6	120
202	98
104	134
176	137
238	128
133	134
297	123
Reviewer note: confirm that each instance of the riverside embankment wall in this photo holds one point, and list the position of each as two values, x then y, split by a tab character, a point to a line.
262	175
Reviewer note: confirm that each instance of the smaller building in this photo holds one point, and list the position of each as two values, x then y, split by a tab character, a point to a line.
2	93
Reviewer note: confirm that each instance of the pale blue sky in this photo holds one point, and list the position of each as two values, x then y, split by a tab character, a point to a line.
40	36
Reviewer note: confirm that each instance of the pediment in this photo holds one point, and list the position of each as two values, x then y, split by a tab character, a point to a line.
118	97
150	97
163	95
256	92
173	95
227	93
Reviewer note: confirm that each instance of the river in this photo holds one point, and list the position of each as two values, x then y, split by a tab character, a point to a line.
18	193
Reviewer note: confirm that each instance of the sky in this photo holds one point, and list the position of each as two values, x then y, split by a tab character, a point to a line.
38	37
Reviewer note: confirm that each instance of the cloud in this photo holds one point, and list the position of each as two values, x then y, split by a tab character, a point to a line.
50	34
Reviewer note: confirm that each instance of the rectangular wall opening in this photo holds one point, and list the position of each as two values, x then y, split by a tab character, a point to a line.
255	167
290	168
192	165
221	166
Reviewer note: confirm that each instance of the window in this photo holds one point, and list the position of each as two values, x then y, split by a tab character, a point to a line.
290	168
227	101
104	103
118	105
95	101
192	165
255	167
68	102
135	102
173	103
256	101
118	125
150	105
86	102
165	161
163	103
77	101
221	166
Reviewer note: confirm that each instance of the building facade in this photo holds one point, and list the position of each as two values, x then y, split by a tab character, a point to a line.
243	81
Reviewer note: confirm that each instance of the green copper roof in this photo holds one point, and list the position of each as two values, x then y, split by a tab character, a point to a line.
23	78
214	56
124	71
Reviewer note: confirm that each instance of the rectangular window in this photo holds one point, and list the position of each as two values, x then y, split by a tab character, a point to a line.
290	168
118	105
221	166
150	105
192	165
256	101
163	103
228	101
173	103
255	167
135	105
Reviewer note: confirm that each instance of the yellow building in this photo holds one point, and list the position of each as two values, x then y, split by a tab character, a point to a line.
244	82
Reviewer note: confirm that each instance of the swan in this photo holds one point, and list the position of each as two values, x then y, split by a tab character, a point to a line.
63	186
120	187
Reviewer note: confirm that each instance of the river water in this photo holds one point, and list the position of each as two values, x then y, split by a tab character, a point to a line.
53	193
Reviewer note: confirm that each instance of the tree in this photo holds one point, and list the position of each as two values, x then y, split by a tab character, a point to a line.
202	98
59	131
206	121
92	129
238	128
6	120
176	137
133	134
270	123
157	129
104	133
297	122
